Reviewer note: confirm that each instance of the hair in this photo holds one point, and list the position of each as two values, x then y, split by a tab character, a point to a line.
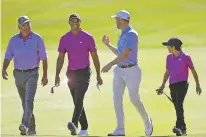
177	48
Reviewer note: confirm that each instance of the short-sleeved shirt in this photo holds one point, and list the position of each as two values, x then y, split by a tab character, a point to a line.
178	67
77	48
128	39
26	53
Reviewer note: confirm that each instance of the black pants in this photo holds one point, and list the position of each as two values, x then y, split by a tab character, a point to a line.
78	84
178	92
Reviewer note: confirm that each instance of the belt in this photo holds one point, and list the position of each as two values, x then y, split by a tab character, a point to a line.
128	66
26	70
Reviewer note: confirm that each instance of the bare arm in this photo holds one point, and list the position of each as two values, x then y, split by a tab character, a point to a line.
96	62
112	48
121	57
165	78
60	62
106	41
44	80
59	65
45	67
5	66
194	73
8	57
198	88
95	59
118	59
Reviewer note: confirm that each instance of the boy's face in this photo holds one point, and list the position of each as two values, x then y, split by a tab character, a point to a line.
171	49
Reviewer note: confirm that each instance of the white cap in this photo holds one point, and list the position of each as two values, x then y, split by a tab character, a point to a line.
123	14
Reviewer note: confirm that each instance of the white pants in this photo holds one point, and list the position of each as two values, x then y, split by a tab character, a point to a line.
130	77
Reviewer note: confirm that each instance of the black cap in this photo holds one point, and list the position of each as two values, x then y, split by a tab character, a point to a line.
74	15
173	42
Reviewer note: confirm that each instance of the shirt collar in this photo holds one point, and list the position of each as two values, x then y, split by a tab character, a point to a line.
180	55
80	31
29	37
127	29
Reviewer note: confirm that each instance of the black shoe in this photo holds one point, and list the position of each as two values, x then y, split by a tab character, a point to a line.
31	133
184	133
178	131
22	133
23	129
72	128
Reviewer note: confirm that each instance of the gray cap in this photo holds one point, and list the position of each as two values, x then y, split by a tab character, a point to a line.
123	14
23	19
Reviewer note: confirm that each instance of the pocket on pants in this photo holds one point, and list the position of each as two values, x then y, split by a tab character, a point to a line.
114	70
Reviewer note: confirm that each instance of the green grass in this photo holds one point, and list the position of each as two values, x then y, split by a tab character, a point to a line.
54	111
155	20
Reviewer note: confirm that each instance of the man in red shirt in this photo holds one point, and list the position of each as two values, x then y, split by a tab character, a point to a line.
78	44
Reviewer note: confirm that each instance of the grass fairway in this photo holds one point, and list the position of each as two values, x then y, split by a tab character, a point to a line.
155	21
54	111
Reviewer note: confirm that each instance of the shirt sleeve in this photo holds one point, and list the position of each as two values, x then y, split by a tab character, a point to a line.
189	62
92	45
131	41
42	49
61	48
9	54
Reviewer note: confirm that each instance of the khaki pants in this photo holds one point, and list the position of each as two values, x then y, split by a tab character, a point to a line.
130	77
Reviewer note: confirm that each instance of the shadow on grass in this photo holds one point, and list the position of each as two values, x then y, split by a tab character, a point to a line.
13	135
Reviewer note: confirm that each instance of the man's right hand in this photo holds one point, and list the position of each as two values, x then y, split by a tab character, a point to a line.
160	90
105	40
57	81
4	74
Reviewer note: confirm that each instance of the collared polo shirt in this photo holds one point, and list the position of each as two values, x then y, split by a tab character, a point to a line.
26	53
77	48
178	67
128	39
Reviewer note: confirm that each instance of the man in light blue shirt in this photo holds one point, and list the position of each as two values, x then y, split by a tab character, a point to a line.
128	39
126	73
27	49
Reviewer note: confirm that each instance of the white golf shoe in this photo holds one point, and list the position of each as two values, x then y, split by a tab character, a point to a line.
117	132
149	127
83	133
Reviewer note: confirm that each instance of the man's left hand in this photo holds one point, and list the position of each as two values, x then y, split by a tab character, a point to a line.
44	81
198	89
99	80
106	68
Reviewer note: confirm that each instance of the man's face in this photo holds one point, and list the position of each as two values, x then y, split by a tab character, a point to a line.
119	23
25	28
75	24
